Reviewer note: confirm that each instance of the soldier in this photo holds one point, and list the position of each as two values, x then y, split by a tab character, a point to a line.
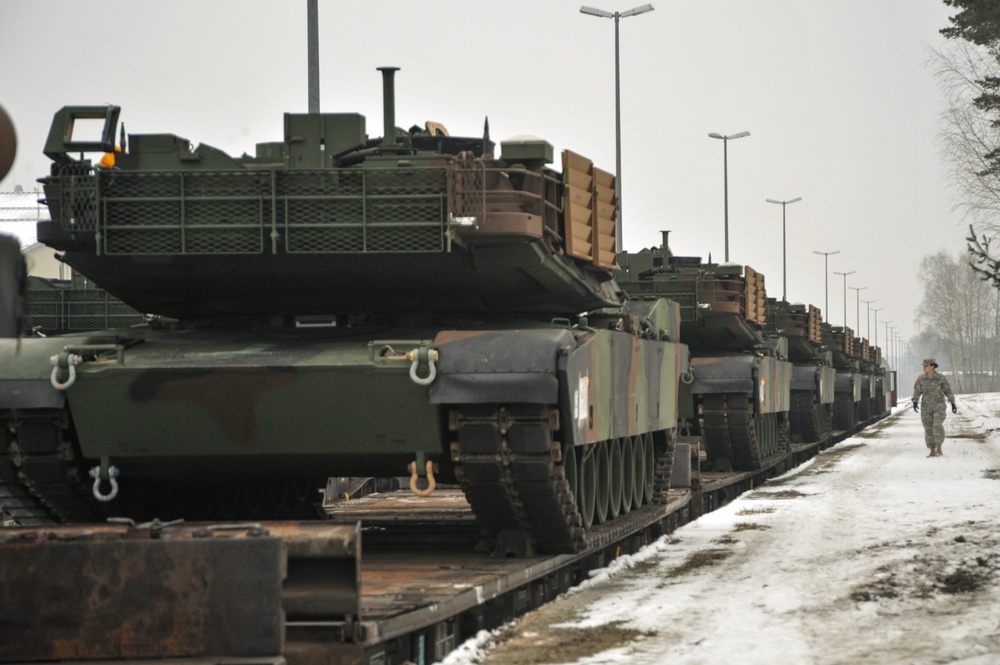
935	389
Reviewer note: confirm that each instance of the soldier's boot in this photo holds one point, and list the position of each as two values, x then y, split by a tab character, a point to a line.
938	452
930	452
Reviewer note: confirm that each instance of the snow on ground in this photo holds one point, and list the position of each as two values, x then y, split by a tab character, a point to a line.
871	553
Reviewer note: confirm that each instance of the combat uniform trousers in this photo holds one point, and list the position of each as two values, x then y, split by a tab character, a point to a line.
932	416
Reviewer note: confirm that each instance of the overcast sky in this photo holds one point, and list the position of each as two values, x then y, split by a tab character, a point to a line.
838	97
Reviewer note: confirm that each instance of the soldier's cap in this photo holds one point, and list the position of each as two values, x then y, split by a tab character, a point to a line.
930	361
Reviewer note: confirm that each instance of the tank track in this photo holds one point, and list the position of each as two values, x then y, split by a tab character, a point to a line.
810	418
40	480
509	463
865	410
845	415
730	431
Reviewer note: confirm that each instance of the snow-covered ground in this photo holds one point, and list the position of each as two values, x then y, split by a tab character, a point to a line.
872	553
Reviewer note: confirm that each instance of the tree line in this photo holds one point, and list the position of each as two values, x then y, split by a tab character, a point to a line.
960	310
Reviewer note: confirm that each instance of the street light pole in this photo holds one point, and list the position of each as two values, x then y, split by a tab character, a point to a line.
784	246
845	274
869	303
876	310
635	11
857	304
890	341
725	176
826	278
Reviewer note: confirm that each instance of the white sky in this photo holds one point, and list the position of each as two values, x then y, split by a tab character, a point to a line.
838	98
842	561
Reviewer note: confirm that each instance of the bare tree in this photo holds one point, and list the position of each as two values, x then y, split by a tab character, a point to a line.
960	311
969	136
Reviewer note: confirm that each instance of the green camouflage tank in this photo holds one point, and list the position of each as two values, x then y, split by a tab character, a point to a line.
339	305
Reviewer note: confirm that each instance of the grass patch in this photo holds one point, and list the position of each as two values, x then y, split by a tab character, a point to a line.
961	581
991	474
782	494
749	526
560	645
755	511
873	592
699	559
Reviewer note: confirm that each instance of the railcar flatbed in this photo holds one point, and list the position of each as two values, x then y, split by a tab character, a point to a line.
301	593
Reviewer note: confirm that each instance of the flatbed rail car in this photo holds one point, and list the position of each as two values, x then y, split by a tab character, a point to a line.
301	593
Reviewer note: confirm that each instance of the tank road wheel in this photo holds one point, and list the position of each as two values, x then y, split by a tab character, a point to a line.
519	478
649	479
586	497
628	476
603	459
639	482
616	475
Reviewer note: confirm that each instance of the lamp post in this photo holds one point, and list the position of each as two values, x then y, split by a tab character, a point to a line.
890	341
876	310
869	303
725	176
826	278
845	274
784	254
886	332
857	304
600	13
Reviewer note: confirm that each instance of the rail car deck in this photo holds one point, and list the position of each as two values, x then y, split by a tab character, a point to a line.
299	593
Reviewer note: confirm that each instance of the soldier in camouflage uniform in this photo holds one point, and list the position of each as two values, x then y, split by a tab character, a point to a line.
935	390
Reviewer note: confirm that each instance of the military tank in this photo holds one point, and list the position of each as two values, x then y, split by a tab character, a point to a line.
737	395
341	306
813	375
850	406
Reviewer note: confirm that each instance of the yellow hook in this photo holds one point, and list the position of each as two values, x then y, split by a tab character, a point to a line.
431	484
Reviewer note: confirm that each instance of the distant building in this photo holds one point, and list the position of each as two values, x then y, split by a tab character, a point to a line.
19	212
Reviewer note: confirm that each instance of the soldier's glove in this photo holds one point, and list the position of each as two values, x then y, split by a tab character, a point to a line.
954	408
916	408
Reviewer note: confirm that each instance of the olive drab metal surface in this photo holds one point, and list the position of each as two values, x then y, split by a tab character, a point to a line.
737	397
338	305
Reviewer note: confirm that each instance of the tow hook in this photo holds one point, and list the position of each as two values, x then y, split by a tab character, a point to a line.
105	471
423	356
64	361
429	471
